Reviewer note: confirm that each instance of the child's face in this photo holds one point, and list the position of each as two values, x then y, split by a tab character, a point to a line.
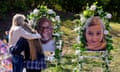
94	34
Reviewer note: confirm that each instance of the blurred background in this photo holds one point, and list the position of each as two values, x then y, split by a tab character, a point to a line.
66	9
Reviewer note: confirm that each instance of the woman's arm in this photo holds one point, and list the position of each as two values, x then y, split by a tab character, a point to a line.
29	35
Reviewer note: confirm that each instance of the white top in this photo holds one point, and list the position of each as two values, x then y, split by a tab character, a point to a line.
19	32
49	46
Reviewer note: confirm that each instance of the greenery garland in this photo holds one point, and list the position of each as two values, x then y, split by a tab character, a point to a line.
90	11
93	10
51	15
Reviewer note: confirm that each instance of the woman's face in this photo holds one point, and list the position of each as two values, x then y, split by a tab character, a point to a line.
46	31
45	27
94	34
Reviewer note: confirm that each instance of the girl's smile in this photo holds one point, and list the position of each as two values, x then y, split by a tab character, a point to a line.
94	34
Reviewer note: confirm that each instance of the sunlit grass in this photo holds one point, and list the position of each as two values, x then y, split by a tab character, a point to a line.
69	60
115	26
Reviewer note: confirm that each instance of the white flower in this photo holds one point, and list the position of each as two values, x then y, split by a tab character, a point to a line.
50	58
35	11
82	19
76	29
57	18
106	32
60	41
78	39
93	7
108	16
59	47
50	11
77	52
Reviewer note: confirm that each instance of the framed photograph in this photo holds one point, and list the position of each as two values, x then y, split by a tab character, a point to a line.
94	34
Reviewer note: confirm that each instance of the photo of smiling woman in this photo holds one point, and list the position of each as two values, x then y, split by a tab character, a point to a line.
94	34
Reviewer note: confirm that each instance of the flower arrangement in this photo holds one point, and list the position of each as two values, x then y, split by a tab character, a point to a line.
90	11
40	12
93	10
51	15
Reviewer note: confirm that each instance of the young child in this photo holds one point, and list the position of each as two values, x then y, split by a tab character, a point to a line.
94	34
18	30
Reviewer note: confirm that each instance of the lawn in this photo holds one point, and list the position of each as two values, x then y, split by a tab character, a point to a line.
69	60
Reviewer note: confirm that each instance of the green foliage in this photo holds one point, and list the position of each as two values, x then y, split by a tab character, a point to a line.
57	53
74	6
40	12
68	24
43	11
93	10
69	60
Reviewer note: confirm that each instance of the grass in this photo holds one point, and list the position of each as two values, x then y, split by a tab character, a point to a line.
115	64
69	60
115	29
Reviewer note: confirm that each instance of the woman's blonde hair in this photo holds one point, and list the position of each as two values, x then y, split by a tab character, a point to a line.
18	20
35	44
